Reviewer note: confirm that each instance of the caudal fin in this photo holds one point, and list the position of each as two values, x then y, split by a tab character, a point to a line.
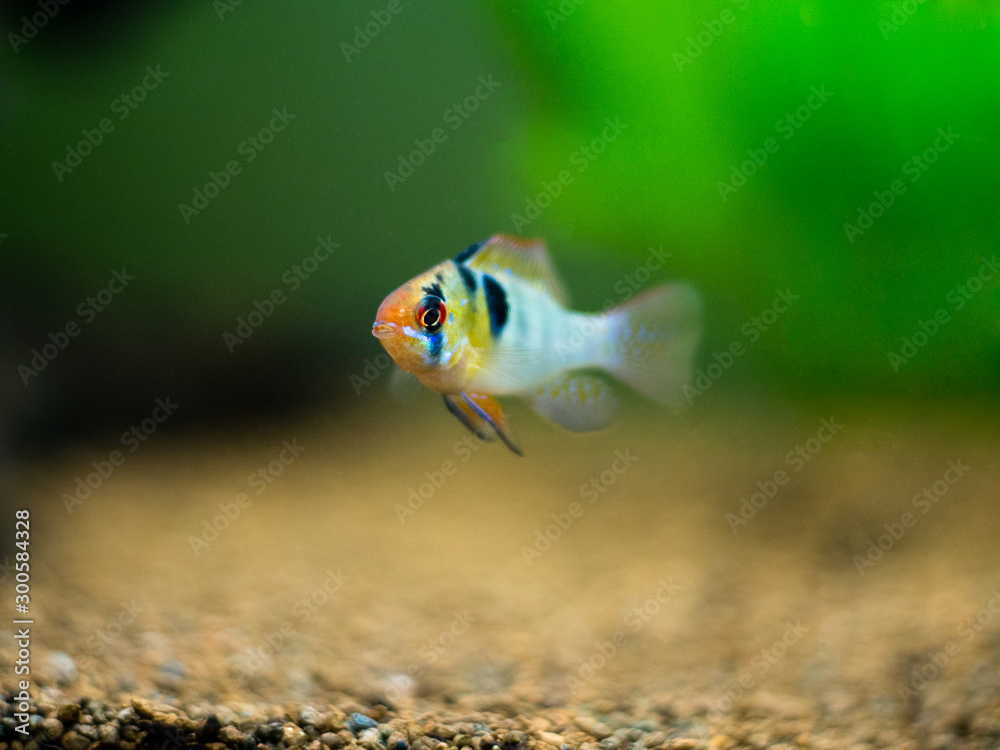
652	341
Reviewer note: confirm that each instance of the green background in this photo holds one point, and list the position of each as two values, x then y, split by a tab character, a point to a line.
564	70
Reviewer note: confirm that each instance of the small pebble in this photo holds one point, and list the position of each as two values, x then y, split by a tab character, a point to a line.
69	714
87	730
271	732
73	740
369	735
61	668
143	708
209	729
230	735
593	727
171	674
308	715
108	734
514	738
331	740
52	729
330	722
129	732
292	736
359	721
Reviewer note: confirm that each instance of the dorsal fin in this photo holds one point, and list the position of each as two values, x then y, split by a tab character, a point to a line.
503	255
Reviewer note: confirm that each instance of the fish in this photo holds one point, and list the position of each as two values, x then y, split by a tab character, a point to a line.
494	321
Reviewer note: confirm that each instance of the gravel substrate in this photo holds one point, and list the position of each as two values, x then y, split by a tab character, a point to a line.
90	724
320	617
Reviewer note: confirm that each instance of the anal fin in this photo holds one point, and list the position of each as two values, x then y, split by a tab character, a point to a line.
577	401
483	415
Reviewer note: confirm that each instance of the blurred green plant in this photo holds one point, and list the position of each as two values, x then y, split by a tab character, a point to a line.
847	152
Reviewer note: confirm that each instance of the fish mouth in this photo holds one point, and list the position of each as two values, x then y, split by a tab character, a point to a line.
383	329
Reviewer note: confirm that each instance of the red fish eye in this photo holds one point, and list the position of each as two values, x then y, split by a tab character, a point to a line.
430	314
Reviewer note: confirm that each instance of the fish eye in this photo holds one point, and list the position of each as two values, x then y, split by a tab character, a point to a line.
430	314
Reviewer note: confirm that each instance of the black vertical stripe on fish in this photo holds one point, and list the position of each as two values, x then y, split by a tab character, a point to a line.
469	252
468	277
496	303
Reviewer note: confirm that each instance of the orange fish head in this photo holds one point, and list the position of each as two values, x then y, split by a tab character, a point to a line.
411	325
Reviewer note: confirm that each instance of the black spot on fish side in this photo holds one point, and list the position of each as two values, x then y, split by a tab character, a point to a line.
469	252
468	277
496	303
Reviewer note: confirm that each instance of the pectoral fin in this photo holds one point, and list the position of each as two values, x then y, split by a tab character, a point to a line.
578	402
483	415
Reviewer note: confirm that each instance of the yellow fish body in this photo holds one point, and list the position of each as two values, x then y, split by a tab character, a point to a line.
493	322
